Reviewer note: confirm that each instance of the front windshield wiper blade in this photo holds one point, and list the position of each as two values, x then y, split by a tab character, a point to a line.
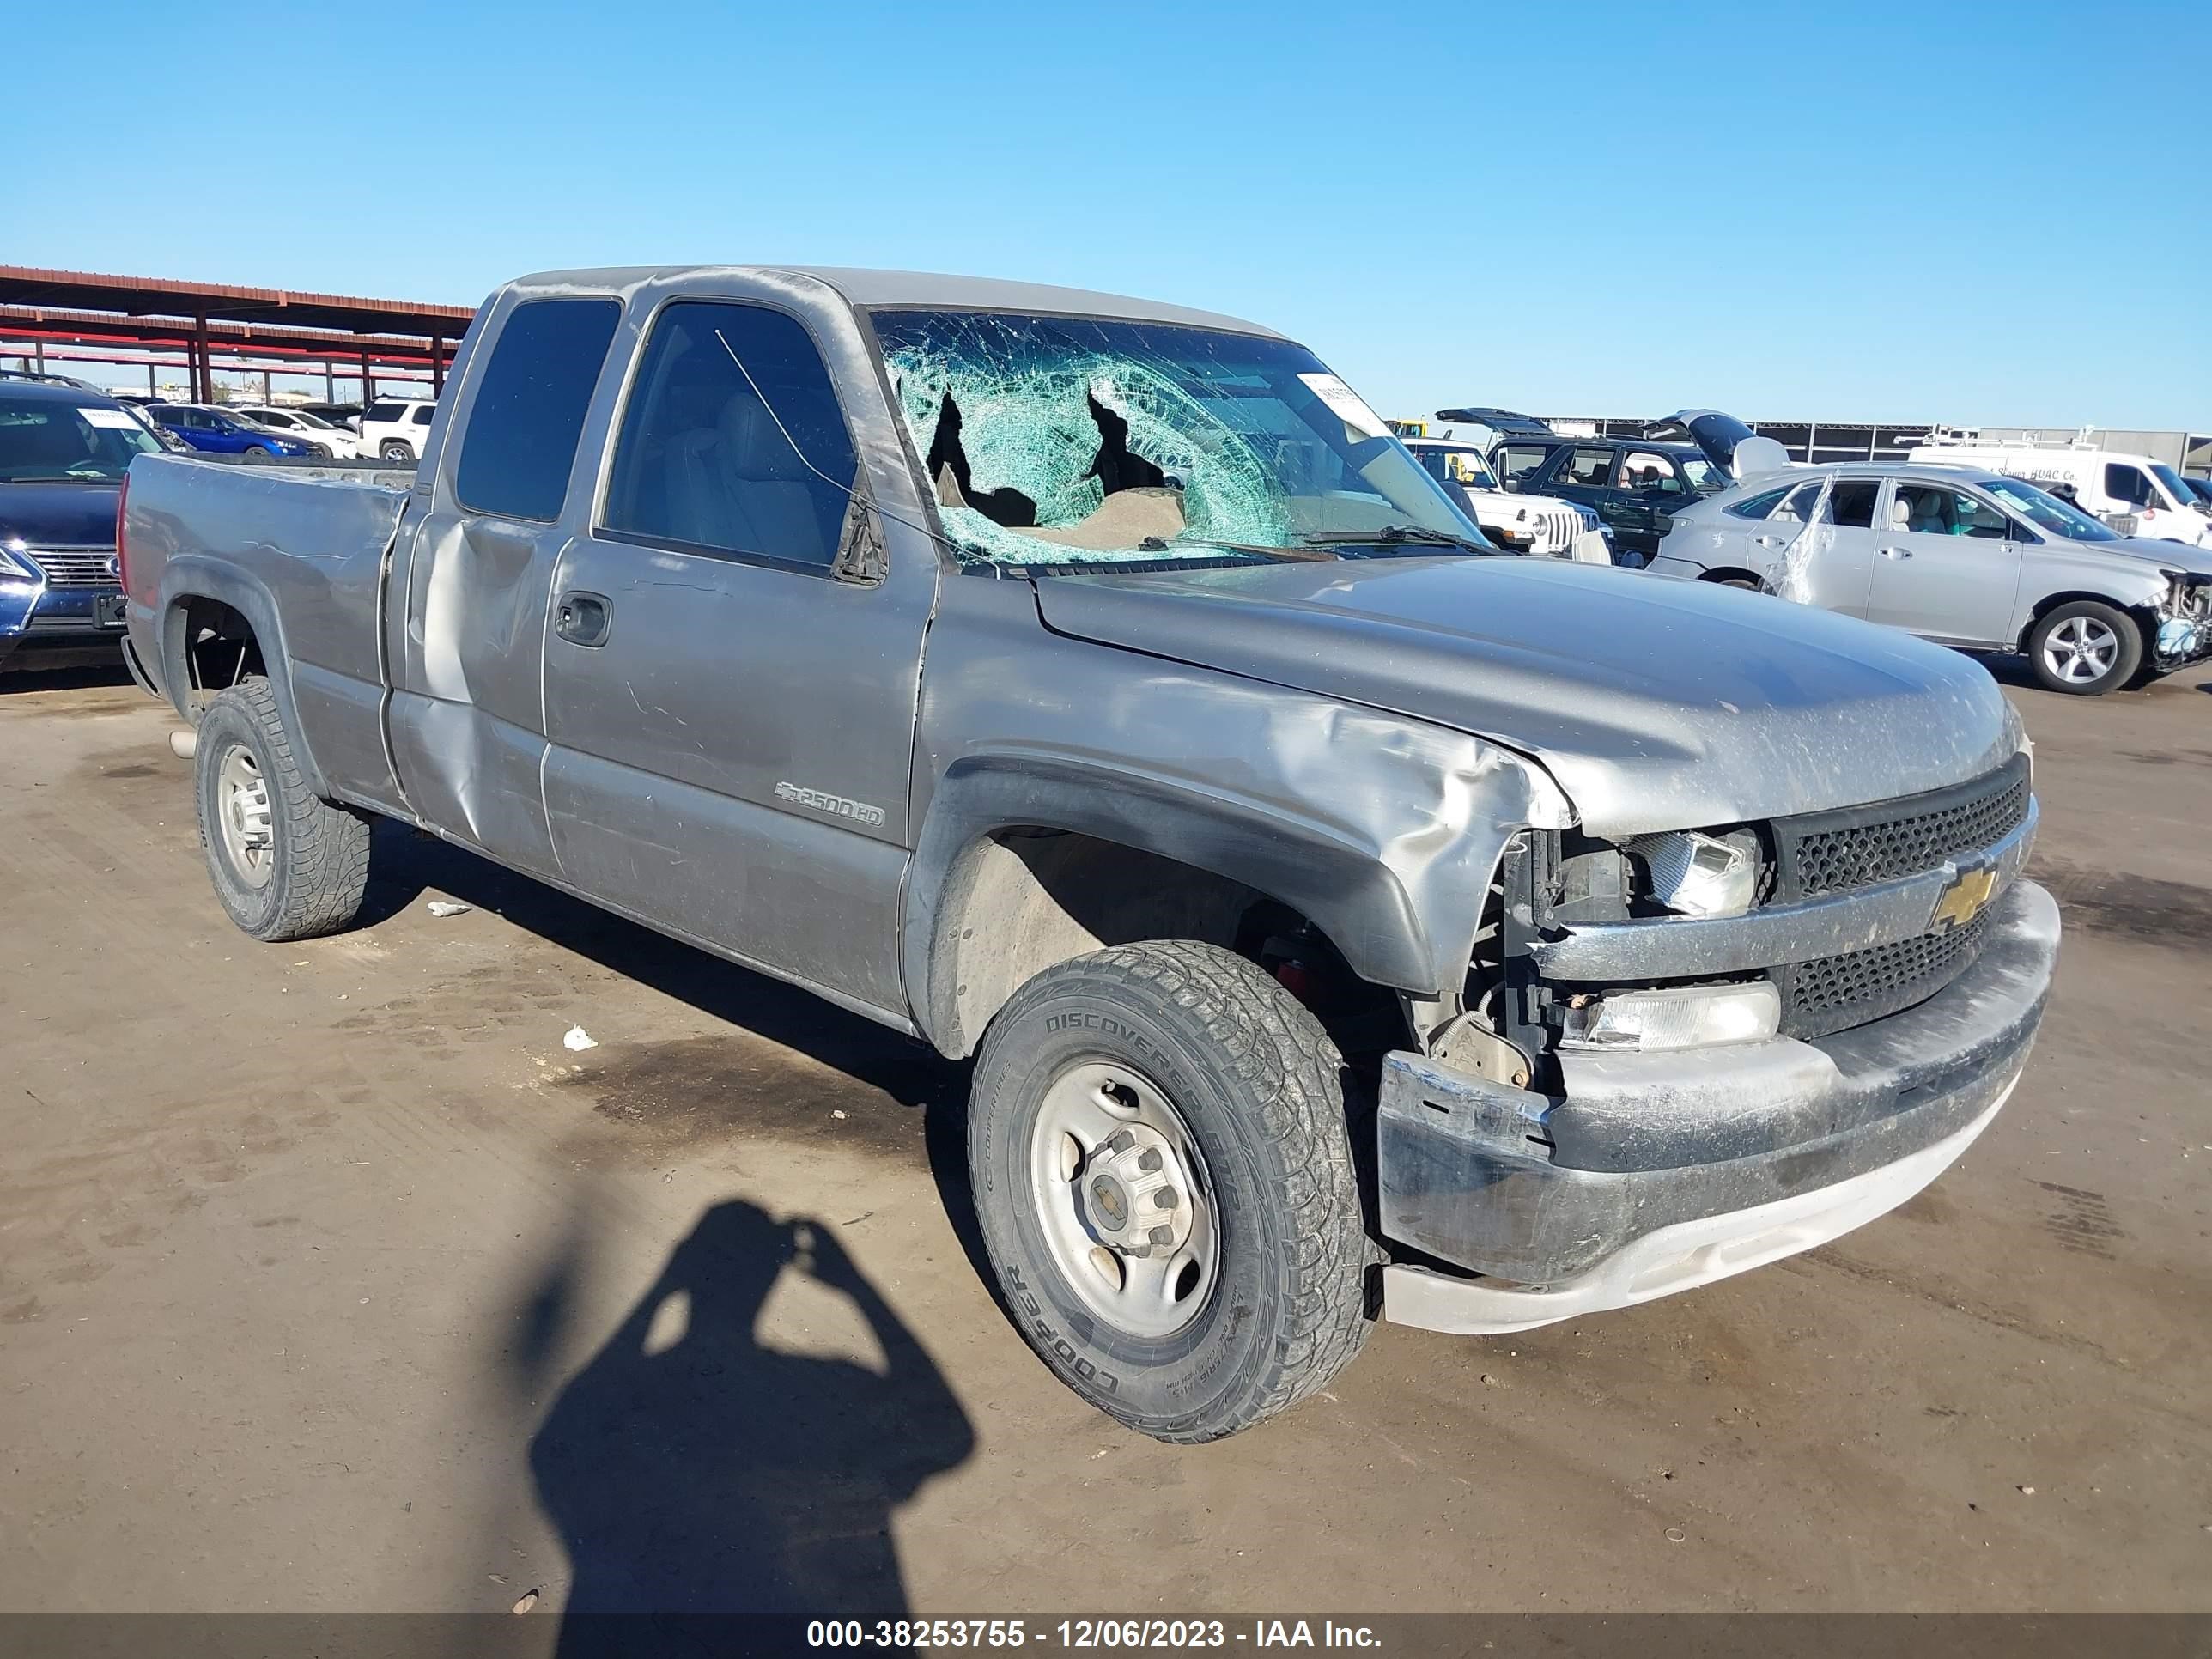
65	478
1390	533
1289	554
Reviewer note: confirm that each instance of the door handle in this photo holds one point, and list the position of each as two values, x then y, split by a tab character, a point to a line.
1896	552
582	618
1767	541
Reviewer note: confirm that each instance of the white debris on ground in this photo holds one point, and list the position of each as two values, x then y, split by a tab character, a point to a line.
448	908
579	1039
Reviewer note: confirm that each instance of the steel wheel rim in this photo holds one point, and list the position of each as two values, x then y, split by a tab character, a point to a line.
249	836
1099	1203
2080	649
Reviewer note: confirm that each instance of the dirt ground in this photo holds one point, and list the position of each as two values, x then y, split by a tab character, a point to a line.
330	1279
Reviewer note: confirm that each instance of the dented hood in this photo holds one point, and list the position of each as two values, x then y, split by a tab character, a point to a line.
1656	704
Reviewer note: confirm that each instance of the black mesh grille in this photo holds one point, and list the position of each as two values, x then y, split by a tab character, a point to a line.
1834	851
1833	993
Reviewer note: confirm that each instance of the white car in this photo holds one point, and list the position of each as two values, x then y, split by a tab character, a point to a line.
309	429
393	428
1542	524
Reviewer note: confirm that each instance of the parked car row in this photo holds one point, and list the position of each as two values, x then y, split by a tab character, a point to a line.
1965	544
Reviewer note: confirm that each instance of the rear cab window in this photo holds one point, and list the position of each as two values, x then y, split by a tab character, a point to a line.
521	442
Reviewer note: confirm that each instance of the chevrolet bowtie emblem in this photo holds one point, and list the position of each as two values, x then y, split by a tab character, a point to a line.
1963	899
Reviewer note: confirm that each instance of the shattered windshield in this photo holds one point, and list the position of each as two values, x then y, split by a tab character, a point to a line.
1069	440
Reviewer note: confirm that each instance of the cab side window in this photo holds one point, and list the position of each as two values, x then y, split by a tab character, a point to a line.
1641	470
520	444
2127	483
1590	468
733	442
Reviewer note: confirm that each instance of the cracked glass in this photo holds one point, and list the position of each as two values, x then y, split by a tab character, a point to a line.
1060	441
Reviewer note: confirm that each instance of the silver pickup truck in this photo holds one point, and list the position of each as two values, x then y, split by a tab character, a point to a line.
1343	917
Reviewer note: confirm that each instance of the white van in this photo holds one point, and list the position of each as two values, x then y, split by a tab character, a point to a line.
2112	486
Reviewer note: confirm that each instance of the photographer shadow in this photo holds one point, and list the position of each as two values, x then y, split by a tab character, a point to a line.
688	1469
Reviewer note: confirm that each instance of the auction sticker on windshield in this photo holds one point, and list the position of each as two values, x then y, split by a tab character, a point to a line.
1346	405
112	420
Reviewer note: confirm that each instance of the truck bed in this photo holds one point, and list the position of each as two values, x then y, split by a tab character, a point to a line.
299	551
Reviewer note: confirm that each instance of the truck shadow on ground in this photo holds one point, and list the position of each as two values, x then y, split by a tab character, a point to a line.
687	1469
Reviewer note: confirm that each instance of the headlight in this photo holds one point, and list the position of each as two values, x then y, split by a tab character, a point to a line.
1681	1017
13	569
1700	875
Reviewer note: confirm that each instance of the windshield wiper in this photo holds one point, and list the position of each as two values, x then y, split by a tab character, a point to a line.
1290	554
64	477
1392	533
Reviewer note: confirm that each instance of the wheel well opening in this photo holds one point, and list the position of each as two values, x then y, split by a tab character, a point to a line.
1729	573
220	649
1023	900
2050	602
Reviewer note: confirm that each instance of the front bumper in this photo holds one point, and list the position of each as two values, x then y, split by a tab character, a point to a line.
31	612
1653	1173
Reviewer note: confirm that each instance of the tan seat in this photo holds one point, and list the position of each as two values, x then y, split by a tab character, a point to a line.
740	485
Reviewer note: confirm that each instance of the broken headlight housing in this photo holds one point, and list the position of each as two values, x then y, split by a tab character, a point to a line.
1676	1017
1695	874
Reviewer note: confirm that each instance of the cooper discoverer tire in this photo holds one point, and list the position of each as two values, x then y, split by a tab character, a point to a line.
2085	648
1174	1092
285	863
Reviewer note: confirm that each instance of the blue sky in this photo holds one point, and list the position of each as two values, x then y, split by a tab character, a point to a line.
1951	211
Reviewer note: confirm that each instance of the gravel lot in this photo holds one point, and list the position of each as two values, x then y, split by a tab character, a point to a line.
331	1279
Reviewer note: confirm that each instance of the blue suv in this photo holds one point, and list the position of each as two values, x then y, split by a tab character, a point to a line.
218	432
64	450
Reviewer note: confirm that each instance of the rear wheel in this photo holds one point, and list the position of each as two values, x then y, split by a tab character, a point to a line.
394	450
285	863
2085	647
1165	1187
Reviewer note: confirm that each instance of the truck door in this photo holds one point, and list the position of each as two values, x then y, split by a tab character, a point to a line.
731	709
478	544
1947	565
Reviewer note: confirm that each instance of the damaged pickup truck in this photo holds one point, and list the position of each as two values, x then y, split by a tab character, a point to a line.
1342	916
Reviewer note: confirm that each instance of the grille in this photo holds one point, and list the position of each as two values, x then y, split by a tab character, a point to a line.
1831	851
1833	993
77	567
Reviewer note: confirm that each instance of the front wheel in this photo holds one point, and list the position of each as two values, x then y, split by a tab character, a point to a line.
1164	1182
257	453
2085	647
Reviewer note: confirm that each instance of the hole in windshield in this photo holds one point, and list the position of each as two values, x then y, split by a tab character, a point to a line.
1056	440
